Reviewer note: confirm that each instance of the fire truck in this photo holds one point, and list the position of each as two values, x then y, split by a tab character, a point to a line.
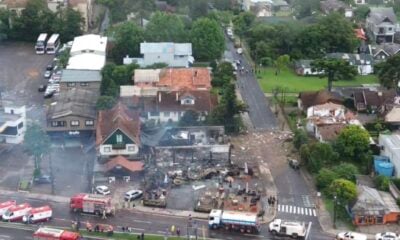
91	203
4	206
45	233
40	214
17	212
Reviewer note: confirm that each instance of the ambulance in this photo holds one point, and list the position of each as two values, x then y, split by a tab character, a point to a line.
4	206
40	214
17	212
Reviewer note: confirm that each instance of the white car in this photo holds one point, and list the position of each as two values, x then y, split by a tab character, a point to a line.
239	50
47	74
351	236
104	190
132	195
387	236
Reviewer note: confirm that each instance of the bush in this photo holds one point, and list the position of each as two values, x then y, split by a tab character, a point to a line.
300	137
36	172
346	171
324	178
396	182
382	183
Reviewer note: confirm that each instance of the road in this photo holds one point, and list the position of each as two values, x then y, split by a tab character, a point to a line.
14	234
259	111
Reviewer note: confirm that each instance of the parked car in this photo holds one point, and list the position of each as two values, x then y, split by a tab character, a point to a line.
47	74
293	163
42	179
351	236
239	50
49	67
104	190
387	236
133	195
42	88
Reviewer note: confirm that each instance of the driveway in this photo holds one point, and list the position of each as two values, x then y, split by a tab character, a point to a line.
258	106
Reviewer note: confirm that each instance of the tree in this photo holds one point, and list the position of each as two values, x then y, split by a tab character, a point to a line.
320	154
198	8
207	39
324	178
127	39
281	62
382	183
361	13
305	8
346	171
108	86
352	144
71	24
389	72
344	190
300	137
37	143
243	22
105	102
223	74
334	69
164	27
189	118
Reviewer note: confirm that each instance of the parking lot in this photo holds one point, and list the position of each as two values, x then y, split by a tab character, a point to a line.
21	73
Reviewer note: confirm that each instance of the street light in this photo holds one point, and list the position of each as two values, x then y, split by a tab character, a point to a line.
334	210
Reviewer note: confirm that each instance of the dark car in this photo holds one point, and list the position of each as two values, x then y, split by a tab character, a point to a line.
42	179
42	88
50	67
294	163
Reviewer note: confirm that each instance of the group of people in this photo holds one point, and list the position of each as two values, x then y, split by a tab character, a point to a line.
272	200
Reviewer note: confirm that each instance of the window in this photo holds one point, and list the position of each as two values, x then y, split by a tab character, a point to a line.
84	84
71	84
119	138
91	51
20	125
107	149
390	29
58	123
89	122
166	114
131	148
381	30
154	114
74	123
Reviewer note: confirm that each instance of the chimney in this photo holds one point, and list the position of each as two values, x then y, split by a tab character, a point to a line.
159	96
177	96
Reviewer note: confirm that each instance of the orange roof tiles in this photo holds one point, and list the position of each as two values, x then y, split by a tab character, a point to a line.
133	166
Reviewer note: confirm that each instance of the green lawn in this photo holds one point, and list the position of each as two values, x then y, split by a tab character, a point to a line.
288	80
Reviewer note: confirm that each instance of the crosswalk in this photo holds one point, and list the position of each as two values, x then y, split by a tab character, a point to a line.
297	210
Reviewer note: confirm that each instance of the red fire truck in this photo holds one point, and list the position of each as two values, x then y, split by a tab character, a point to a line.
90	203
45	233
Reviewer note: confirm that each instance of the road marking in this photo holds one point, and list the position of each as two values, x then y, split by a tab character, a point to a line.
290	209
297	210
314	212
302	211
5	236
140	221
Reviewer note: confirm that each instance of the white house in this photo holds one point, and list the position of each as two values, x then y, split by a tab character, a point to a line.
363	62
381	24
172	54
327	113
12	124
390	147
88	52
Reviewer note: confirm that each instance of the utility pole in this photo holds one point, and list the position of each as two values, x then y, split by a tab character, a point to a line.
334	210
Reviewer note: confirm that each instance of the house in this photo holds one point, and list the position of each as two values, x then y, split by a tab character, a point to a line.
12	124
15	6
381	25
390	147
313	98
88	52
392	117
373	101
328	132
118	132
83	79
170	79
383	51
171	106
85	7
330	6
73	113
172	54
374	207
363	62
303	67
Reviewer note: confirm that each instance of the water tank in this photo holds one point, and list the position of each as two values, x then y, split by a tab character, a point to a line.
383	166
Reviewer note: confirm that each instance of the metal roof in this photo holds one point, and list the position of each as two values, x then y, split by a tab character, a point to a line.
166	47
75	75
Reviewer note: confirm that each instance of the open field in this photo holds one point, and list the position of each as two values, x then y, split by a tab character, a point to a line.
288	80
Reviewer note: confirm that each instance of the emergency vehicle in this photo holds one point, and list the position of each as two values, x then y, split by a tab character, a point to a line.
17	212
4	206
90	203
45	233
39	214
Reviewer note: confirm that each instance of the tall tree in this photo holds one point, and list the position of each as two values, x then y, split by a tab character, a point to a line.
334	69
207	39
344	190
128	37
164	27
320	154
281	62
389	72
72	24
36	142
243	22
198	8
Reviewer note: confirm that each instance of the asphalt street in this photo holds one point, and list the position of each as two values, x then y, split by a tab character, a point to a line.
259	111
14	234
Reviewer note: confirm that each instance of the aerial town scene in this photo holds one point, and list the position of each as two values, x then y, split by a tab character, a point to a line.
200	119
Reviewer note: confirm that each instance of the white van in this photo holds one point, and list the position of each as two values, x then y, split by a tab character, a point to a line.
16	213
351	236
40	214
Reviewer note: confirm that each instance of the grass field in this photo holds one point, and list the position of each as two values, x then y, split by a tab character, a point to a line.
288	80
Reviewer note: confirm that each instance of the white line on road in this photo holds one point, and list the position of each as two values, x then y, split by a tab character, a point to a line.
302	211
5	236
290	209
306	211
314	212
140	221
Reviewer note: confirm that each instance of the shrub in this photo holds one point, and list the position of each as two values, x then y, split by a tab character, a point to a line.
324	178
382	183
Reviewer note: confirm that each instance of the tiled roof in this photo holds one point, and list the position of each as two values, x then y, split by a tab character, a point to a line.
313	98
120	161
330	132
119	117
378	15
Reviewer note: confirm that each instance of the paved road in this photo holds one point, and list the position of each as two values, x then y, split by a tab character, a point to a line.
260	114
14	234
